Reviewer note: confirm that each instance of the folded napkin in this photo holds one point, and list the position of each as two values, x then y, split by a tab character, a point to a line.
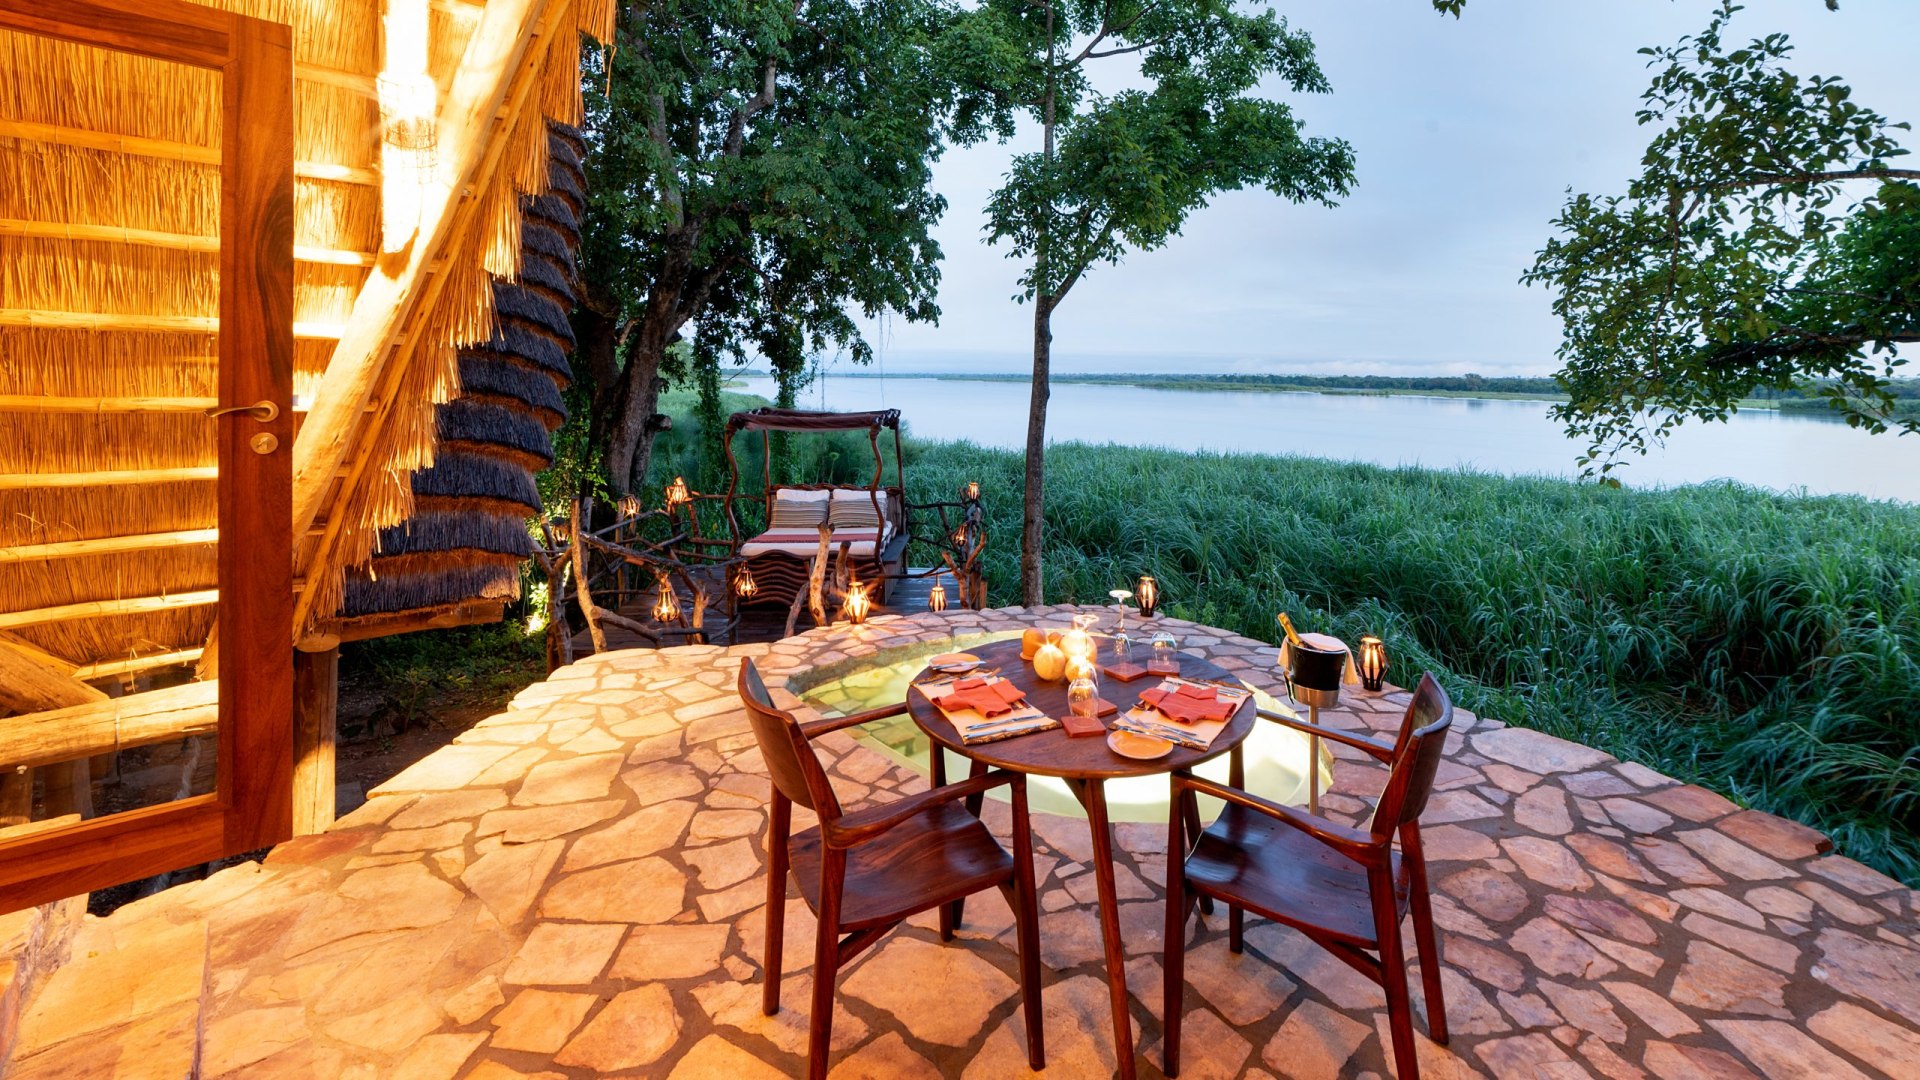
1189	703
988	698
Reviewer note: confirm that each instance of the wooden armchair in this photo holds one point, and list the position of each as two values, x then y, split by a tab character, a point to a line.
1345	888
864	872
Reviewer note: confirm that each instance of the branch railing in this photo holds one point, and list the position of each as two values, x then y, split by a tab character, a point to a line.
690	576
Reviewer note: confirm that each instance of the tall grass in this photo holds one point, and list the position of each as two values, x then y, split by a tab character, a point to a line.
1766	646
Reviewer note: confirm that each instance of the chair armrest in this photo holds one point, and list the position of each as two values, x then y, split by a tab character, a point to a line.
1359	846
817	728
857	828
1379	750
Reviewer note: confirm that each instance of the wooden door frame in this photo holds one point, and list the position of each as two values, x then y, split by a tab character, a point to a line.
251	806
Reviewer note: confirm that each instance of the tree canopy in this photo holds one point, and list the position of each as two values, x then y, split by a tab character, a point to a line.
1767	243
1122	169
760	169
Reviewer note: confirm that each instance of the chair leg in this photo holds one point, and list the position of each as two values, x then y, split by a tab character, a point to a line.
1026	918
956	913
826	965
1425	942
1190	812
1236	929
1173	938
776	901
1393	972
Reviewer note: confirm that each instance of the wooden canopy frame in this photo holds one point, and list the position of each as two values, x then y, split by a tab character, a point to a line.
250	806
767	420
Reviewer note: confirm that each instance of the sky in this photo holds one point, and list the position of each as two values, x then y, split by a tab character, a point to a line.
1467	134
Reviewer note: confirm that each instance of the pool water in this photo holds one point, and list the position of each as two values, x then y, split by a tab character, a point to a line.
1276	757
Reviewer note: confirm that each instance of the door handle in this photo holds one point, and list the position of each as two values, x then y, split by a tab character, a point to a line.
264	411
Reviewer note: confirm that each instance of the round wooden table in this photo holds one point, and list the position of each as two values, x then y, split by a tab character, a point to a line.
1085	764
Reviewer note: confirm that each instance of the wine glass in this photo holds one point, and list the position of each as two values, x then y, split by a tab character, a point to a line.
1165	647
1120	598
1083	698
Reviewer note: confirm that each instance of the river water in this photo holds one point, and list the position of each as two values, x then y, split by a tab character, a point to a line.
1765	449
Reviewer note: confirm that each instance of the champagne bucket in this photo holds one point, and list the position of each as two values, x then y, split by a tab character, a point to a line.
1314	673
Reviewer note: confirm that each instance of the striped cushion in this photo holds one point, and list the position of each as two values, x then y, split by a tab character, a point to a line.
854	509
798	509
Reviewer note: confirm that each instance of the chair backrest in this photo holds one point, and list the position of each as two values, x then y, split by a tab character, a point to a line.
1422	742
790	759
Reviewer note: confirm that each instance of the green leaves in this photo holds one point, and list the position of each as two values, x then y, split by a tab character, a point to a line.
1123	170
1735	261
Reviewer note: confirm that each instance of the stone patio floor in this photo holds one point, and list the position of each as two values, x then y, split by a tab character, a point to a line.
575	888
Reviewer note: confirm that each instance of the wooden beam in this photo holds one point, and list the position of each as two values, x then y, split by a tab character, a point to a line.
28	685
316	695
469	613
170	241
19	481
34	652
106	668
139	146
46	403
95	609
494	53
162	324
108	545
101	727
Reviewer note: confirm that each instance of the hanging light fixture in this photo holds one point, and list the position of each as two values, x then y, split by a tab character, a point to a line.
630	506
1373	663
857	604
667	608
409	137
960	537
973	491
744	586
1148	593
937	597
677	494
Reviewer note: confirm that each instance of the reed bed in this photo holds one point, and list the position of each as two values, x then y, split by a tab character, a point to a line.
1766	646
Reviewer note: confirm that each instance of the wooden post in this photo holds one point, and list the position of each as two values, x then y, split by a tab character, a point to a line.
316	692
580	587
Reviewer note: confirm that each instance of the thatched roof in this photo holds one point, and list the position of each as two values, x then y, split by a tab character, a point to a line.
109	242
468	535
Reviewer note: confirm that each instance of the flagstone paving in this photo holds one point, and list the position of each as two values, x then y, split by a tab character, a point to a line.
576	888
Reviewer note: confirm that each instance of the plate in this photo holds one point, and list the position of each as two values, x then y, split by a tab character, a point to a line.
953	663
1137	746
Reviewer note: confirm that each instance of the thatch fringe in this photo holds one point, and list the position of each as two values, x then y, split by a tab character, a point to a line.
467	421
431	583
489	375
452	530
537	349
462	475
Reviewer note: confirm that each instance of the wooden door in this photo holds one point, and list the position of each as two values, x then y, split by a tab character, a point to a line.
238	705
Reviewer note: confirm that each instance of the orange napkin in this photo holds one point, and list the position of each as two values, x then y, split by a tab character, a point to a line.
983	697
1190	704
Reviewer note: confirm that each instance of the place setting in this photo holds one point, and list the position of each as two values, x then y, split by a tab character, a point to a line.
1178	712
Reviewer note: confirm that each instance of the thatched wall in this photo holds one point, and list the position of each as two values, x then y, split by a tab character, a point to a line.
133	315
468	536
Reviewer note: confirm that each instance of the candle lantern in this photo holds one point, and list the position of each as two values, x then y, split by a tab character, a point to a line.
1077	643
937	597
973	491
562	530
744	586
1372	662
857	604
630	506
667	607
1148	593
677	494
960	537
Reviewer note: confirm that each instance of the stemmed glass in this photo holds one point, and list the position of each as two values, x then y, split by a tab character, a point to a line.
1122	641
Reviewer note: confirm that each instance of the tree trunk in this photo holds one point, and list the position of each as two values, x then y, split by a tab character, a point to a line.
1032	583
636	416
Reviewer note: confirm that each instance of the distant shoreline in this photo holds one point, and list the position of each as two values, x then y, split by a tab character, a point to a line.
1489	388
